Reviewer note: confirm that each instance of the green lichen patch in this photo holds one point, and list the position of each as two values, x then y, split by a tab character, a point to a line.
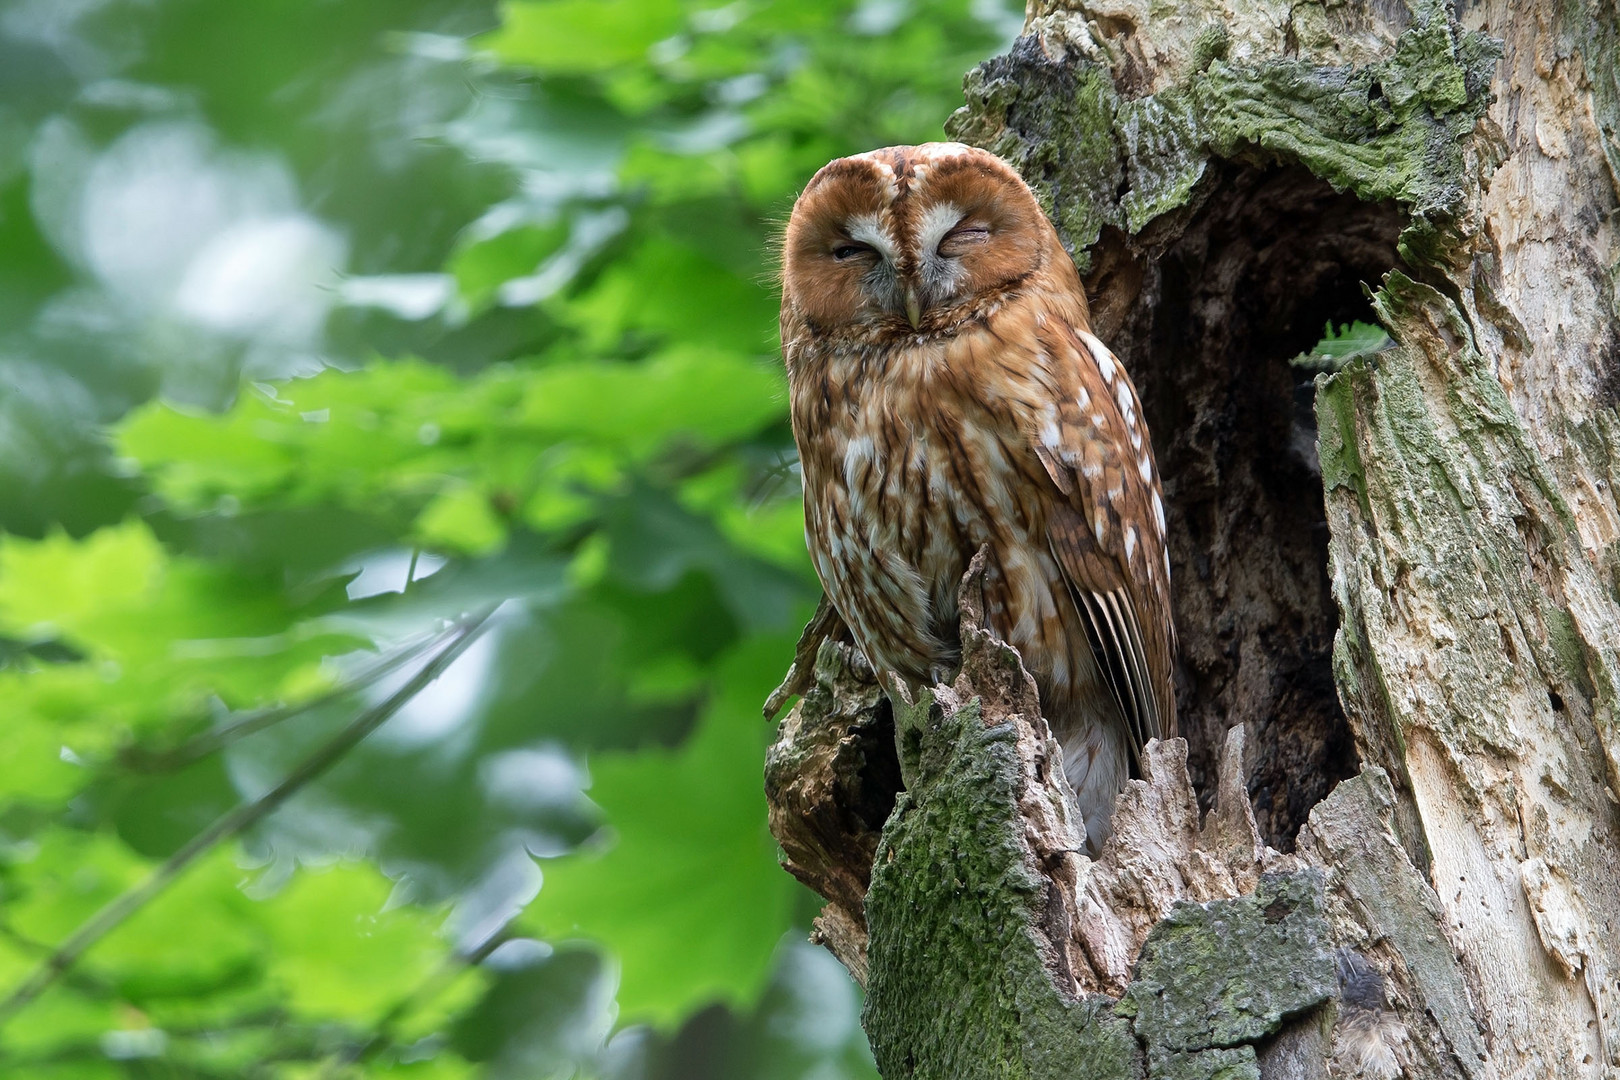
1237	1063
1161	137
1394	130
1337	448
1226	973
960	983
1450	478
967	974
1054	121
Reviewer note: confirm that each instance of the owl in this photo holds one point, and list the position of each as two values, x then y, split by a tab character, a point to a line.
947	395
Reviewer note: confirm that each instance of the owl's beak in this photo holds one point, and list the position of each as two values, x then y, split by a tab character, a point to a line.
913	309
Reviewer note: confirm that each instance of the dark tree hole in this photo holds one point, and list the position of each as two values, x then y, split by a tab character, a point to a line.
1206	309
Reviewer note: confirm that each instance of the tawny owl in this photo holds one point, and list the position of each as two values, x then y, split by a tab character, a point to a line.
947	393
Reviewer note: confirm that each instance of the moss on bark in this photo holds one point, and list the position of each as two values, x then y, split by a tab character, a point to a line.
963	977
959	983
1389	130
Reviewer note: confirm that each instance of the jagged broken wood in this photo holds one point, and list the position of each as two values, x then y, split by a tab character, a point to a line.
1185	948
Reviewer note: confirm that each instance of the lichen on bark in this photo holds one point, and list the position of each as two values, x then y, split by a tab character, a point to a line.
1458	565
957	906
1395	129
1224	974
983	916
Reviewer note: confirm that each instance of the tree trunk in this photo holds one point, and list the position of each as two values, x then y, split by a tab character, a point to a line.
1387	844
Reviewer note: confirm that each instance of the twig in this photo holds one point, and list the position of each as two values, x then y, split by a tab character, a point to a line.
240	728
325	756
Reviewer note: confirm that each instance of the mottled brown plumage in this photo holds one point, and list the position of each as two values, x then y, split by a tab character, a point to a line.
947	394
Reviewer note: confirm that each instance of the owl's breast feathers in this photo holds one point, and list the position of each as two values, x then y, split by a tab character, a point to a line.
1021	432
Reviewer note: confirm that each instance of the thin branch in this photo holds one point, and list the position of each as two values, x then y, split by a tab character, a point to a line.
232	824
251	723
86	984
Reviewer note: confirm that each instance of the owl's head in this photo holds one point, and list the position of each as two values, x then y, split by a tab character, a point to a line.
909	240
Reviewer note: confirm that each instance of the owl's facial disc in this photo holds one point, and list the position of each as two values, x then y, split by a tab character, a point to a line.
909	240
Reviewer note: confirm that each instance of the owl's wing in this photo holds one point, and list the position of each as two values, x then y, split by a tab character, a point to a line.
1106	528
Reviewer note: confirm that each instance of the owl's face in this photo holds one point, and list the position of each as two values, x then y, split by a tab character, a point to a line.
909	240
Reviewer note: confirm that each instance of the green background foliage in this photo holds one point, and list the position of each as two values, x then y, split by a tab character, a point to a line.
330	335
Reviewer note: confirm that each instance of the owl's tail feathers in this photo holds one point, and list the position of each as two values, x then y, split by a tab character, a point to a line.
1369	1030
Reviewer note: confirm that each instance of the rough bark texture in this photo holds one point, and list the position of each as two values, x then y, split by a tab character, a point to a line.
1400	634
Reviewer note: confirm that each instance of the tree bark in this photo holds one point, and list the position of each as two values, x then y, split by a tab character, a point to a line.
1387	844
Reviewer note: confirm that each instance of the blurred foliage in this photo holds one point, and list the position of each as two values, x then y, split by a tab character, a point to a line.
335	337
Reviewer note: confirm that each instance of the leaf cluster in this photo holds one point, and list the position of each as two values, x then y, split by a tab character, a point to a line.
356	342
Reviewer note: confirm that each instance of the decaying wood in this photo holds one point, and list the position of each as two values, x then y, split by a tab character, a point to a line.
830	780
980	820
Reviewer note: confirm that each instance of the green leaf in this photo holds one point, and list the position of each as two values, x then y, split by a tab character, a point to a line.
770	527
1338	347
483	266
73	874
581	36
461	520
162	638
339	950
687	893
59	1021
713	397
668	289
64	585
60	718
167	632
